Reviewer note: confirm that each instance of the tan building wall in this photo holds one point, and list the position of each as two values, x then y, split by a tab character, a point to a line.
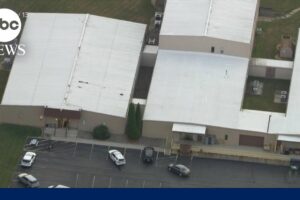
90	120
204	44
33	116
22	115
154	129
280	73
233	136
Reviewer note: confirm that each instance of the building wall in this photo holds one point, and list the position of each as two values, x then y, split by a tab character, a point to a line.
22	115
149	56
280	73
154	129
233	136
90	120
204	44
33	116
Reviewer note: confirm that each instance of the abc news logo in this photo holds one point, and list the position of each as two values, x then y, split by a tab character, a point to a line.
4	25
10	28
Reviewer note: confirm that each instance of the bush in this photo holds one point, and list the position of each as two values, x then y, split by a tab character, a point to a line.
138	116
132	128
101	132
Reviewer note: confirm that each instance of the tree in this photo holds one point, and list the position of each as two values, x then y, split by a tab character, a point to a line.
101	132
131	128
138	116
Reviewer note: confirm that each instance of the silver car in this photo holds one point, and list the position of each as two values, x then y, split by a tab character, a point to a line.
117	157
28	159
28	180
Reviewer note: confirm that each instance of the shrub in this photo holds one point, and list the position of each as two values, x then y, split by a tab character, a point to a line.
138	116
132	128
101	132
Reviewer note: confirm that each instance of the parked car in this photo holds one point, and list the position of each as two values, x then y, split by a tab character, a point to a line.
58	186
117	157
28	180
34	142
28	159
295	164
179	169
148	155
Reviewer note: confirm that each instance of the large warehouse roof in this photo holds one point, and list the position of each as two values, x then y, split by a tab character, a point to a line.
197	88
224	19
76	61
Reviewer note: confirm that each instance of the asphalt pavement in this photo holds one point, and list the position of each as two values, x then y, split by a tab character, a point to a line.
88	166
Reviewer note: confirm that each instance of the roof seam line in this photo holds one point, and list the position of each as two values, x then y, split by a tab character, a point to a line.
76	58
208	17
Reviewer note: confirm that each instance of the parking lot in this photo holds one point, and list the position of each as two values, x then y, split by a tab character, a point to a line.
88	166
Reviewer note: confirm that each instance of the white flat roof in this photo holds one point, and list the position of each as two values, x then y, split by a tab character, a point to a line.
291	124
287	138
189	128
224	19
197	88
76	61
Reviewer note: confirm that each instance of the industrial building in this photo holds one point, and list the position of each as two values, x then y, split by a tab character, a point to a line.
80	72
199	80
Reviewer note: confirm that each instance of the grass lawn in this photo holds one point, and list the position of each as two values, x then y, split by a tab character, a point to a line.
133	10
3	80
265	102
281	6
12	139
265	44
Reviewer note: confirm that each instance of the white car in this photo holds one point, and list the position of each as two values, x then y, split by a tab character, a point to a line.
28	159
117	157
28	180
58	186
34	142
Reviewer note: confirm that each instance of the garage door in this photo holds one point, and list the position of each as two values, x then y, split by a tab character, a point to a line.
253	141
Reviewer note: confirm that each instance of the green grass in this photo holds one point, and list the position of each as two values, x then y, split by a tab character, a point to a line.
265	102
133	10
3	80
265	44
280	6
12	139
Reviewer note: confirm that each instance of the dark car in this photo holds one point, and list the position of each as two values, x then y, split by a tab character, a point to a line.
148	154
179	169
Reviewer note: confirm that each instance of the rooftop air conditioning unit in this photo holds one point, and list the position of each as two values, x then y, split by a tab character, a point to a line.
151	41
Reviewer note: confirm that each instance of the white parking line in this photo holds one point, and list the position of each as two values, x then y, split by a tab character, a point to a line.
160	185
107	152
156	163
141	153
93	183
144	182
124	152
77	177
176	157
109	184
74	153
91	152
126	183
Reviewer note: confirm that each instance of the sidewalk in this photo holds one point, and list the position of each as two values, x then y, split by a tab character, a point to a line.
286	16
115	140
239	153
